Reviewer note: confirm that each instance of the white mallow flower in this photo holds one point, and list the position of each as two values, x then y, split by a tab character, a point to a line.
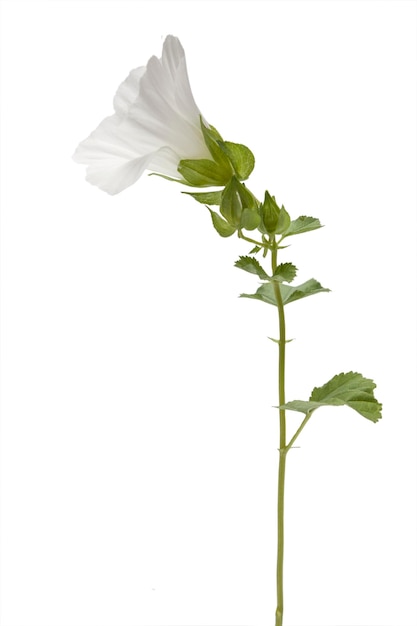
156	124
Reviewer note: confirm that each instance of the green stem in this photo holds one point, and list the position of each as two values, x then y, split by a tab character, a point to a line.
282	443
242	236
303	423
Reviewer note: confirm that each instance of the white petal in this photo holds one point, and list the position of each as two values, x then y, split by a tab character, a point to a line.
117	176
128	91
117	155
173	58
155	125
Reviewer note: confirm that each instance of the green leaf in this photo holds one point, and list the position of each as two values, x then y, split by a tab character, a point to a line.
302	224
251	265
209	197
266	293
285	272
350	389
240	157
223	228
255	250
309	288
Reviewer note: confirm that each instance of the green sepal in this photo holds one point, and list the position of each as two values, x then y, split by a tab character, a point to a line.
240	157
223	228
285	272
284	221
255	250
203	173
266	293
302	224
250	219
213	139
251	265
208	197
350	389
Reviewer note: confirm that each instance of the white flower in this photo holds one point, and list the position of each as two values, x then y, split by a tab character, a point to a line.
156	124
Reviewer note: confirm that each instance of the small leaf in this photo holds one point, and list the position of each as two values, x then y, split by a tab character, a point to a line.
209	197
251	265
285	272
266	293
223	228
350	389
255	250
278	341
302	224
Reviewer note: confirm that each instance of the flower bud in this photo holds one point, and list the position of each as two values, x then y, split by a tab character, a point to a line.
238	206
275	220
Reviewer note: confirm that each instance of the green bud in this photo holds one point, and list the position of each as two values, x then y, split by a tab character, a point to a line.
231	206
238	206
232	158
275	220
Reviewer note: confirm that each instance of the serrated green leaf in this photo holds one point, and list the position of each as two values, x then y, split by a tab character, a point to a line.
266	293
285	272
350	389
223	228
251	265
302	224
208	197
240	157
354	390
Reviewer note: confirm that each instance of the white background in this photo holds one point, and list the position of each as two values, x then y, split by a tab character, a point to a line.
138	442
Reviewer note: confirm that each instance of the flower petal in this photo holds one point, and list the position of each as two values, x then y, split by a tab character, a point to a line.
128	91
156	125
117	155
